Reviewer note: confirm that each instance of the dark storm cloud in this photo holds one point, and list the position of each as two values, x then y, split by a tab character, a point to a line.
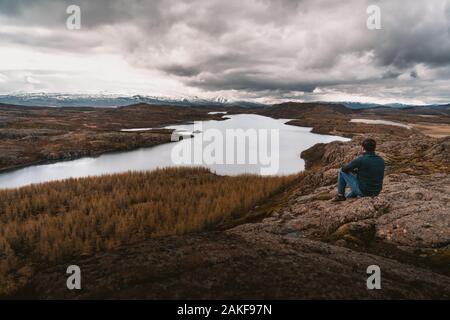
390	75
251	82
181	71
279	46
416	33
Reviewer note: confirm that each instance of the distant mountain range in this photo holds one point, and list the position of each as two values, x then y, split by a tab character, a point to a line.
362	105
109	100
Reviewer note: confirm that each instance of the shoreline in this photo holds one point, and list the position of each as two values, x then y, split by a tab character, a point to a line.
305	117
95	154
164	130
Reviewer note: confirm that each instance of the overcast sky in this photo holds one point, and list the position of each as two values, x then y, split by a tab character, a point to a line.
263	50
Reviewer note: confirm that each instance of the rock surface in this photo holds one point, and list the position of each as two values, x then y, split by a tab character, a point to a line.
247	262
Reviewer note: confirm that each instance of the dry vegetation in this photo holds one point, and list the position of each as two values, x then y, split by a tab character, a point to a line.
45	224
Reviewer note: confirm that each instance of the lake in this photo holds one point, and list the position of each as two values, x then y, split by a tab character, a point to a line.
292	140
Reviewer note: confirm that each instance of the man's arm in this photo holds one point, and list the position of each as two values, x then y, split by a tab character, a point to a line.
352	166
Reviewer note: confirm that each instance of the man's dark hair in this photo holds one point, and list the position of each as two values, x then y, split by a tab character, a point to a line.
369	145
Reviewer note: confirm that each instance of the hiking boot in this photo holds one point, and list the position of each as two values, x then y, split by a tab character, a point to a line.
339	198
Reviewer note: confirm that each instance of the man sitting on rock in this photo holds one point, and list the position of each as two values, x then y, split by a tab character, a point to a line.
364	175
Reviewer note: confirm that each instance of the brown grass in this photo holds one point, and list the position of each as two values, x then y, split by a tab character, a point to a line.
433	130
55	222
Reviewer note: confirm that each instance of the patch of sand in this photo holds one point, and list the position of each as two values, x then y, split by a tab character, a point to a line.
433	130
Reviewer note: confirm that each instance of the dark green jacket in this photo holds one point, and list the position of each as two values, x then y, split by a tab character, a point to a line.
370	173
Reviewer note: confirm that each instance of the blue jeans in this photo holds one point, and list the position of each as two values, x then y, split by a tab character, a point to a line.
348	179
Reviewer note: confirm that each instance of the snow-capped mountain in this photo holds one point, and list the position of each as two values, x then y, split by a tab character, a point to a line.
109	100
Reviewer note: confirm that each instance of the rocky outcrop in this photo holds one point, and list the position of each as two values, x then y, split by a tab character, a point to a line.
411	212
440	151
